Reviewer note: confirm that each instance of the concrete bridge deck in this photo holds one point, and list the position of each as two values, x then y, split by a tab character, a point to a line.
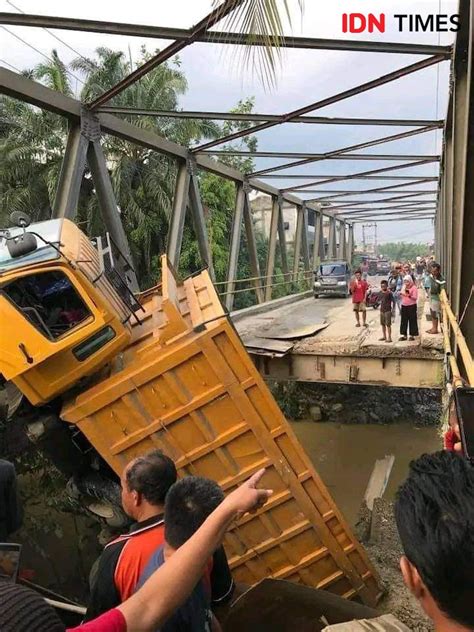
285	346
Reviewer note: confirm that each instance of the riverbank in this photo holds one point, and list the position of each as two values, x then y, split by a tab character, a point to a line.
383	546
358	404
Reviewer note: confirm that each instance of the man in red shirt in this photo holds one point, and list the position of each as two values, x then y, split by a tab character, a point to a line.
359	289
452	437
145	483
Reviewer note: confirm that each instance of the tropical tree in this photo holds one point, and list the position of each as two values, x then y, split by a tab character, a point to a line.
32	145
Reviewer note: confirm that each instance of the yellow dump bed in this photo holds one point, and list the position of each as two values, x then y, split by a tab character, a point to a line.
187	386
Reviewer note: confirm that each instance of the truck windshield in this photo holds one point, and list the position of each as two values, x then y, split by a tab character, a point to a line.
331	269
49	301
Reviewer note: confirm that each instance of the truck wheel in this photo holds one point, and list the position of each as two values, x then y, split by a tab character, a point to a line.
101	496
316	295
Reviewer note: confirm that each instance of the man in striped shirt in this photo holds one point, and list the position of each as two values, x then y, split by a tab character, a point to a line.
145	483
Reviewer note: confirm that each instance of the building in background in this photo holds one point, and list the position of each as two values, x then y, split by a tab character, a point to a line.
262	212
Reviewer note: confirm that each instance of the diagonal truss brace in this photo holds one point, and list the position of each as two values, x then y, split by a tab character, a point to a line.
83	146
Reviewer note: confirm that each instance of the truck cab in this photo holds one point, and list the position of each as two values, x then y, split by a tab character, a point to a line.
332	278
61	317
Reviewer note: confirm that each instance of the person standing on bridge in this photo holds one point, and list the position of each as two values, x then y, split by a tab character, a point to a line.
409	321
395	285
364	268
359	287
437	283
386	303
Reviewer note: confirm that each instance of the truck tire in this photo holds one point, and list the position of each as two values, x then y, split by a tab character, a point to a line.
100	496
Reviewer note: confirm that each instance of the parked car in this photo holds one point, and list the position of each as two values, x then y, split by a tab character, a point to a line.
332	278
383	266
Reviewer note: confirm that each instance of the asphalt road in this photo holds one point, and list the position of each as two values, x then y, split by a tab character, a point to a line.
306	312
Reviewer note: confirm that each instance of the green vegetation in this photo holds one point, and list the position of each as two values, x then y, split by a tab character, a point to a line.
32	144
401	251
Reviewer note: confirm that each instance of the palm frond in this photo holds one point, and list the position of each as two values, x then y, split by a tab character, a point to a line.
262	21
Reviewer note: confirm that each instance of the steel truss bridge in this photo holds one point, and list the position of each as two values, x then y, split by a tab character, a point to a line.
451	196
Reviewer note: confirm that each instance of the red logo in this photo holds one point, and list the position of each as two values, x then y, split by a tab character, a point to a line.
358	22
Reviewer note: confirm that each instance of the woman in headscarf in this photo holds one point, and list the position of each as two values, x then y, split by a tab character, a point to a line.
409	297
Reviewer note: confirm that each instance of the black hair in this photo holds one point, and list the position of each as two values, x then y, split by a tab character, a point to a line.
384	281
24	610
151	475
434	512
188	503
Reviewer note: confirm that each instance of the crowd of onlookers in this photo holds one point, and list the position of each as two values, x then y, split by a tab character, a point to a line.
399	293
169	571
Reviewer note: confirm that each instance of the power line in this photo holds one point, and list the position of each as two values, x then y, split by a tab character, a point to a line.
37	50
6	63
59	39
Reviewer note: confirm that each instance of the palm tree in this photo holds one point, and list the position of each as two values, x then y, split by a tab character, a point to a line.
143	180
32	145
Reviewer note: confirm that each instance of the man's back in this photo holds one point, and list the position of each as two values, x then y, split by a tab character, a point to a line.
195	614
121	564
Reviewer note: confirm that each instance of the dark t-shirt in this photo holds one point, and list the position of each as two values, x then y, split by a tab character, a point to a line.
11	515
195	614
386	300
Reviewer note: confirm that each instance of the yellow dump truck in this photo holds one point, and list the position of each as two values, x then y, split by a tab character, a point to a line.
115	375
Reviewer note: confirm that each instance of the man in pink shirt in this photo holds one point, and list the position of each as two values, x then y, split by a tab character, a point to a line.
359	289
409	297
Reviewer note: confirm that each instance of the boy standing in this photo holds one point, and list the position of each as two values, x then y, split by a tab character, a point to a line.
359	289
386	302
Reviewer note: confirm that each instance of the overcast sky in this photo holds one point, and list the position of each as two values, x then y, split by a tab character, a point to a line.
216	82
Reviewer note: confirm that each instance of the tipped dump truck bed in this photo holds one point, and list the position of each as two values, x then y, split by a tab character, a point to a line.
186	385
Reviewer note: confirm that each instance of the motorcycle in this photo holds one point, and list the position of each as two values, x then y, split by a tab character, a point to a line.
373	298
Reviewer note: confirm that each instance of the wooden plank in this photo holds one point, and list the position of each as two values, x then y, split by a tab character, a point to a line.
378	479
267	344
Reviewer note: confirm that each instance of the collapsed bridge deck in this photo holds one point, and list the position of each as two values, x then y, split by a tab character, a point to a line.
286	344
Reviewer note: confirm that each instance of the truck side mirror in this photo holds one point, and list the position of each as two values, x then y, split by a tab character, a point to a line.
20	219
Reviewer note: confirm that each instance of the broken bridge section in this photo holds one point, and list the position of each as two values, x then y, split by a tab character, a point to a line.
317	341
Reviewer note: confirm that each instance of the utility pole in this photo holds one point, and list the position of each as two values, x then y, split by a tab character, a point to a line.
369	238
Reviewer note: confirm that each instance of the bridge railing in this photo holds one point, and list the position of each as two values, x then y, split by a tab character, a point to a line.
461	364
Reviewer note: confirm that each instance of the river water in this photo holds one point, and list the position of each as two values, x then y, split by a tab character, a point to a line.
344	455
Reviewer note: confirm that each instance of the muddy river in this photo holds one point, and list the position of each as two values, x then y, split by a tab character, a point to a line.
344	455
